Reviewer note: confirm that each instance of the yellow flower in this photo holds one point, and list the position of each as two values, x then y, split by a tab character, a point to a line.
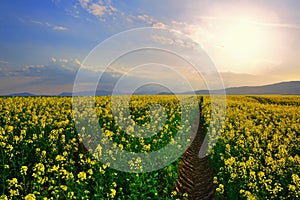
16	138
292	187
90	171
215	180
64	187
174	193
121	146
101	170
104	166
10	147
147	147
43	154
65	153
39	167
82	176
13	181
60	158
24	170
14	192
30	197
70	195
34	137
3	197
113	193
220	189
10	129
138	160
55	168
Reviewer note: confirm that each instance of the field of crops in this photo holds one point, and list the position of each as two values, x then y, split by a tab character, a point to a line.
257	154
43	155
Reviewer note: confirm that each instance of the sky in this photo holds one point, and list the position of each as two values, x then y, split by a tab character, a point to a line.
44	44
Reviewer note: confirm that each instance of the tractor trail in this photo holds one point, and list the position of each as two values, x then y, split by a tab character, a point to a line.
196	174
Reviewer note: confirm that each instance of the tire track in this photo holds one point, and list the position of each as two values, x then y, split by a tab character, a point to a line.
196	174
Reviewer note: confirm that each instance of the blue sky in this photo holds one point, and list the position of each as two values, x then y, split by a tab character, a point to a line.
43	43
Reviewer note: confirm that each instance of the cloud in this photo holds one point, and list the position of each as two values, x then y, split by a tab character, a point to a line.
253	22
3	62
41	23
3	72
52	78
47	24
74	11
84	3
98	8
210	37
129	20
232	79
57	70
102	9
178	41
159	25
146	18
280	25
53	59
58	75
60	28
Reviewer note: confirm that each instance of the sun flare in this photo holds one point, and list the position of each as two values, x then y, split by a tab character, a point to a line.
244	41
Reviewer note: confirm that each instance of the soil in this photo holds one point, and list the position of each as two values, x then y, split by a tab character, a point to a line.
196	174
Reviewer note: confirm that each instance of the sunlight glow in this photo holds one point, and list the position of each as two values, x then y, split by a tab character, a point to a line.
239	41
244	41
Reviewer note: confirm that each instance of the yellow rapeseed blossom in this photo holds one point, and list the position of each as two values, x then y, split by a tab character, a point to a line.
40	168
71	195
90	171
113	193
3	197
60	158
13	182
30	197
43	154
64	187
14	192
102	171
256	145
82	176
23	170
220	189
173	193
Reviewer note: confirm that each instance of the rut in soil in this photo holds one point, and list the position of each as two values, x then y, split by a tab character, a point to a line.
196	174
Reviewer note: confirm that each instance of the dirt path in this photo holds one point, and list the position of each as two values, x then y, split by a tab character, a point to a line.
195	174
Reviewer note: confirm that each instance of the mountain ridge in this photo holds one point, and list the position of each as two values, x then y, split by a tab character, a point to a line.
280	88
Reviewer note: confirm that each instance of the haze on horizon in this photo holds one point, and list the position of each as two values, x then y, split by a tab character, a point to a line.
43	43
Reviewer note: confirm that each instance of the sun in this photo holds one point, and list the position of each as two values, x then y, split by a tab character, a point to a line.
244	41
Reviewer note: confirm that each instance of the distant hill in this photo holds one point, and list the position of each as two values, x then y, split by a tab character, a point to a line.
288	88
283	88
87	93
23	94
